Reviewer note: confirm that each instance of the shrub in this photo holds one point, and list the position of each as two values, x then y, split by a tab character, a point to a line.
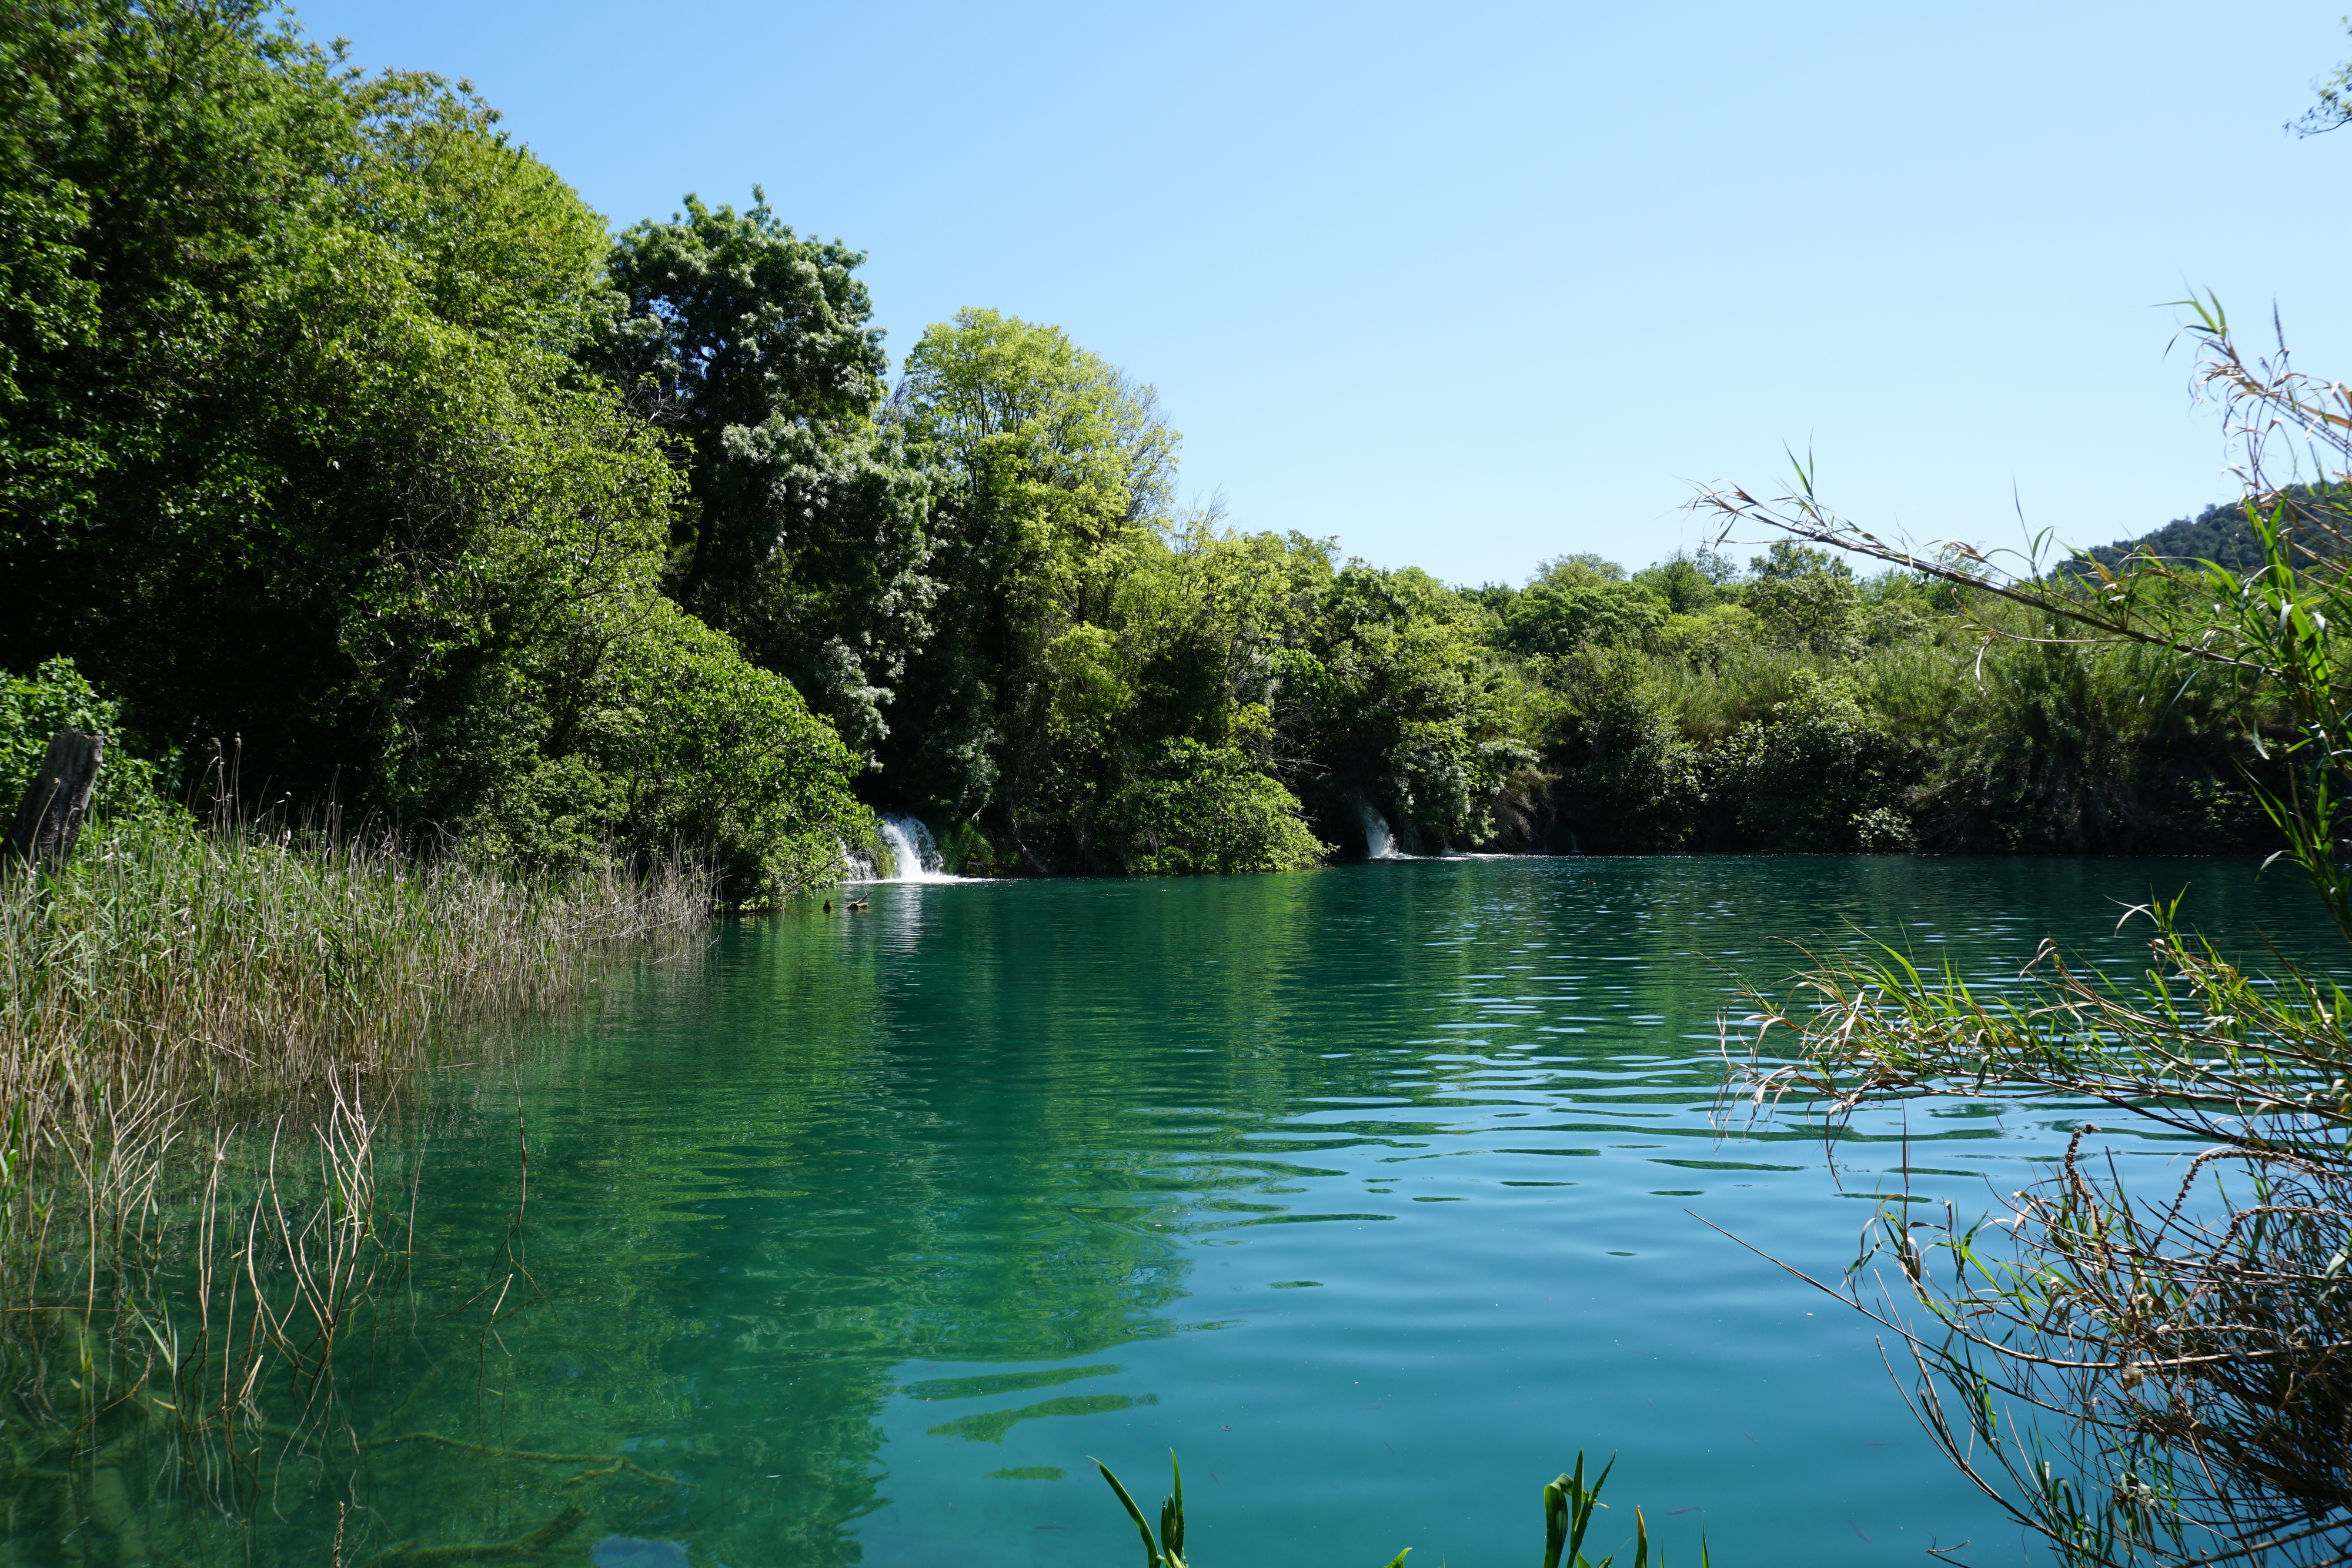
1820	774
681	744
1207	809
1575	602
1805	598
1631	781
2065	747
55	697
1706	639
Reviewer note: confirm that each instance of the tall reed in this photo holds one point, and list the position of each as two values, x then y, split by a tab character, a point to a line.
199	1034
165	969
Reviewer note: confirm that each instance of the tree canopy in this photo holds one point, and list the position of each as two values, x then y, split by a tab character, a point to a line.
303	457
337	432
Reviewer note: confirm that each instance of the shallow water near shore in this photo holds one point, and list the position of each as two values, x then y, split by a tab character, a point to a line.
1369	1191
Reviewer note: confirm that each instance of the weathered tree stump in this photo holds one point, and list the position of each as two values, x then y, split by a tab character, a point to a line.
49	820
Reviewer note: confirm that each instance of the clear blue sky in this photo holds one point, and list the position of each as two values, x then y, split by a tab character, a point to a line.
1472	286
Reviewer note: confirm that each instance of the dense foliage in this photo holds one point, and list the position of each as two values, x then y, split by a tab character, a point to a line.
295	452
337	435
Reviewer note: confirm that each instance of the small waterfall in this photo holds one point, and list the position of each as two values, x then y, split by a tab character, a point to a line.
1380	844
915	853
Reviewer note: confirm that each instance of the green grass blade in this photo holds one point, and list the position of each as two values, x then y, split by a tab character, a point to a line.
1171	1516
1150	1547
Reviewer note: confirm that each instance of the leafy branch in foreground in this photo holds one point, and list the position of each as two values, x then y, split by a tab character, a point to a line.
1569	1505
2191	1351
2141	1381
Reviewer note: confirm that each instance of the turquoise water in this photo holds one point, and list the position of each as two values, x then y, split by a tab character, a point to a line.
1369	1191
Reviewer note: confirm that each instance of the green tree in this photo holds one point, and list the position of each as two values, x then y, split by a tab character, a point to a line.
1159	748
1399	705
1805	597
1688	583
801	530
327	475
1819	775
165	170
1706	639
1630	782
1059	467
1578	600
1208	809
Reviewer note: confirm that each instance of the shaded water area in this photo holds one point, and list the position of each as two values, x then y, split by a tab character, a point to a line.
1363	1189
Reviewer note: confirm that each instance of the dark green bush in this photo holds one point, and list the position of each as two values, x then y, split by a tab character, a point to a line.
1819	774
55	697
1208	809
1629	780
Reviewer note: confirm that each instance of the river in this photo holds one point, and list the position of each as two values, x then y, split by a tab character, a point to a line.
1372	1192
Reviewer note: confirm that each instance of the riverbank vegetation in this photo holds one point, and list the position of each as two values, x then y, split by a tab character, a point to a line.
335	429
169	966
2137	1376
172	961
297	456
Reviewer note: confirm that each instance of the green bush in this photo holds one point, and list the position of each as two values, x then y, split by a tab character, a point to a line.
55	697
2068	747
1805	598
1207	809
679	744
1630	782
1576	601
1819	775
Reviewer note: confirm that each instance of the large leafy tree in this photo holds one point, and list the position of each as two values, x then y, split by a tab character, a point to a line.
304	454
162	174
1577	601
1399	707
802	531
1161	750
1058	468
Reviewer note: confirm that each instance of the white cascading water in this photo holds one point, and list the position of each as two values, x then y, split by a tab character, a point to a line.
914	852
1380	844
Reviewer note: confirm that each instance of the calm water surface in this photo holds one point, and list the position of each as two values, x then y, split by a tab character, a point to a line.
1368	1191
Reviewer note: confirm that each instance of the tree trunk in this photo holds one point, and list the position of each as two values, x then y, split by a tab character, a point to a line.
49	820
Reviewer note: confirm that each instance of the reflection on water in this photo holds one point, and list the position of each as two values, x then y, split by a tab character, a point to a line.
1363	1189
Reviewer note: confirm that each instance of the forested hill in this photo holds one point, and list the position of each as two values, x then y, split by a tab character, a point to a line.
2218	534
344	450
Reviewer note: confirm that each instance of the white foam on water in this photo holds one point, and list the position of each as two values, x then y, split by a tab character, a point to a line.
915	853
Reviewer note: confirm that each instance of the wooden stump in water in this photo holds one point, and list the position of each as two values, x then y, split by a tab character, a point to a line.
49	820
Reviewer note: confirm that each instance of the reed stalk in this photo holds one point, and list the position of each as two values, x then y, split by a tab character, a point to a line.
199	1034
170	966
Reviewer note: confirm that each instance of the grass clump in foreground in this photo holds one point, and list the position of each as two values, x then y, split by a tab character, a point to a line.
165	969
201	1032
1569	1505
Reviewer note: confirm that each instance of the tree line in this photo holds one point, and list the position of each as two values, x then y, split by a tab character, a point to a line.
347	453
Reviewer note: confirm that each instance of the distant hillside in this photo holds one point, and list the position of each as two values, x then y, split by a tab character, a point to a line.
2218	534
